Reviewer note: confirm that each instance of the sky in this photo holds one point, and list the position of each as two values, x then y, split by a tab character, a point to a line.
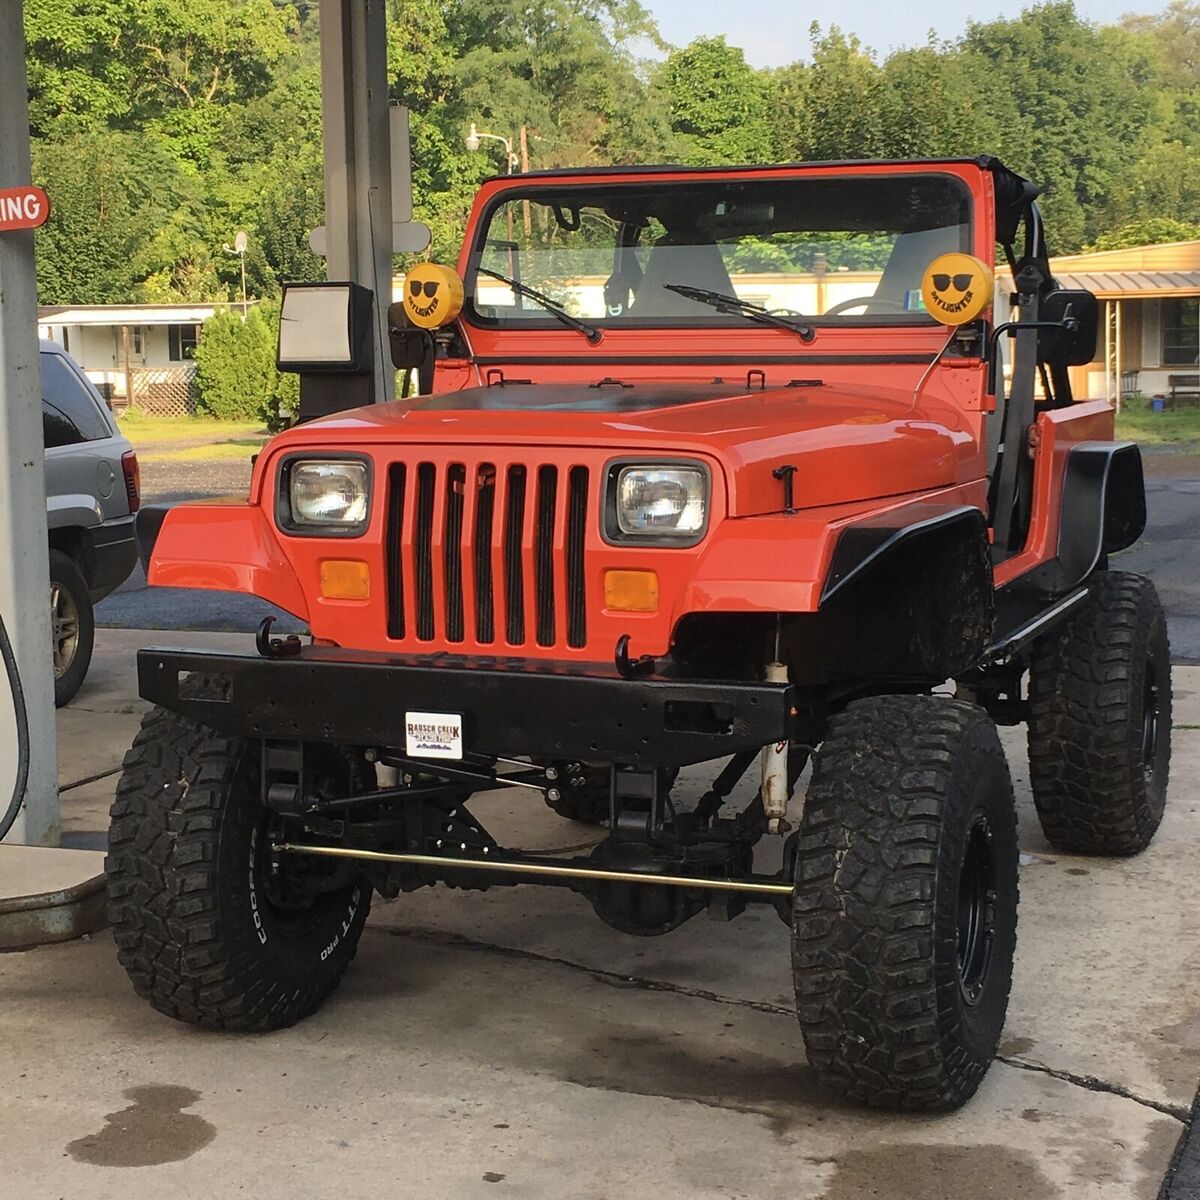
774	32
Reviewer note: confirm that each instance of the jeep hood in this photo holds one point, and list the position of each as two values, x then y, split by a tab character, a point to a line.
847	443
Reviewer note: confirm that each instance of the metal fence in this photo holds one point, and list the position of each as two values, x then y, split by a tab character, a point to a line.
164	391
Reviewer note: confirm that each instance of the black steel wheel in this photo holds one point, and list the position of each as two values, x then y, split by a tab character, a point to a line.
210	928
905	910
1100	720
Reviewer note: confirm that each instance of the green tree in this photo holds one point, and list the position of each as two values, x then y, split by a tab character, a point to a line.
717	104
842	111
787	111
129	63
121	208
1146	233
1176	30
1088	99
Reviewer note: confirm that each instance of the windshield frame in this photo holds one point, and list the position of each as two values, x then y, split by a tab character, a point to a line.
539	187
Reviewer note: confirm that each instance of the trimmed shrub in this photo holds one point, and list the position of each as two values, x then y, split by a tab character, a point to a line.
234	364
236	377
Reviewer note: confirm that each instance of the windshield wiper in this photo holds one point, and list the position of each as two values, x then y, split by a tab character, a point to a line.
592	334
745	308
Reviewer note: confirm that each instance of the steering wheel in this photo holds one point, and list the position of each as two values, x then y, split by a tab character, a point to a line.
862	302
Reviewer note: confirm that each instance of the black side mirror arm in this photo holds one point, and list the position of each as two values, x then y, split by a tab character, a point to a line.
1069	323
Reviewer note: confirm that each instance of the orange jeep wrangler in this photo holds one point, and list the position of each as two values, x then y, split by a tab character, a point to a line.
750	464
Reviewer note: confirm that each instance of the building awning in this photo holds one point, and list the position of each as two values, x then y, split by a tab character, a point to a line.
130	314
1132	285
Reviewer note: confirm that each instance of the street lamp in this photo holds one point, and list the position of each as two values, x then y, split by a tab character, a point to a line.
239	248
474	138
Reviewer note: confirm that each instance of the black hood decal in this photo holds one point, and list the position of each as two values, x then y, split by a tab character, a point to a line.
578	397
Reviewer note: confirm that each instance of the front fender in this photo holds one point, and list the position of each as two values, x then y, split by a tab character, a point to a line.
793	563
226	547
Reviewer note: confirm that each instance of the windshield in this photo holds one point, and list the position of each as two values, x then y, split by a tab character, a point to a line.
850	248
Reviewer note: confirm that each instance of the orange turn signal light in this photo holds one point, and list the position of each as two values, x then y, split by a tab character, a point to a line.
345	579
631	591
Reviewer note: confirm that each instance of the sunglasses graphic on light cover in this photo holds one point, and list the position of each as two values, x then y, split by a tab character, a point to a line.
416	287
961	282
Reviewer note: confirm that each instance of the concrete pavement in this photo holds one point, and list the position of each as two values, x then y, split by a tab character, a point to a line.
508	1043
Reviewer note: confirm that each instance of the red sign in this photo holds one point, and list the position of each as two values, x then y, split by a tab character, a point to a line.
23	207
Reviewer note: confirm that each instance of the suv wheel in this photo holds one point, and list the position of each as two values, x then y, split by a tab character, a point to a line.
905	914
1100	720
72	626
207	932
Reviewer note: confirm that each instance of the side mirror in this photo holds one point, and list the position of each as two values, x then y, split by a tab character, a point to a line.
410	347
1073	342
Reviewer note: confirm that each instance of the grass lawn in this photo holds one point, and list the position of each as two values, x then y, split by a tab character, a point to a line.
138	427
1183	425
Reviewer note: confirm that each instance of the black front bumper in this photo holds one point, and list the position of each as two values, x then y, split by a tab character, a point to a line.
339	696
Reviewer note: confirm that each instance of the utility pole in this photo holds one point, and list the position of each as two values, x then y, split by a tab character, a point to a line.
525	214
24	561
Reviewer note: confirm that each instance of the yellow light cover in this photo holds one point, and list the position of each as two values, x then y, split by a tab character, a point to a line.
345	579
631	591
433	295
956	288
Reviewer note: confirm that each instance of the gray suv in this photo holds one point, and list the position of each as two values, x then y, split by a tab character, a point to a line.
92	487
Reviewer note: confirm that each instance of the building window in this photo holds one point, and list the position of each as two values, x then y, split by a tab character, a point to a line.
1180	333
181	341
137	339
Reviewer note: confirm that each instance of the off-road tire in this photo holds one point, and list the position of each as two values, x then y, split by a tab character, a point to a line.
188	897
1098	770
902	788
65	574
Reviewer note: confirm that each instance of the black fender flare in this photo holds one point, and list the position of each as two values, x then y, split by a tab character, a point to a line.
863	547
1103	510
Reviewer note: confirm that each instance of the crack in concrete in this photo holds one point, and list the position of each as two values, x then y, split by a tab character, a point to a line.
1178	1112
613	978
66	787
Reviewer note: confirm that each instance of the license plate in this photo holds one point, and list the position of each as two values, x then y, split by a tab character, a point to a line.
433	735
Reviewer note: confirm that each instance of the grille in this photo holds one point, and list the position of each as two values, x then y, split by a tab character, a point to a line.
479	548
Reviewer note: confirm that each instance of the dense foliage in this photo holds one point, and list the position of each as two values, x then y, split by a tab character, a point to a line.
235	367
163	126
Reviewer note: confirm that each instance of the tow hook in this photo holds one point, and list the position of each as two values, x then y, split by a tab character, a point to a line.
774	760
629	668
270	647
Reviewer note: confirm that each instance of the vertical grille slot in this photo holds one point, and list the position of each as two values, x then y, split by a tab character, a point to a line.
577	498
485	512
456	486
514	580
394	550
543	559
423	550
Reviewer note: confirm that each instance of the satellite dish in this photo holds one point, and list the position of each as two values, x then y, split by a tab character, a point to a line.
239	242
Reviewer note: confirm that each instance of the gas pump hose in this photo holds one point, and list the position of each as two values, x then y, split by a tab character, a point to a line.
21	717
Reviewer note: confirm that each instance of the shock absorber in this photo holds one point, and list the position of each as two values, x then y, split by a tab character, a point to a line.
774	761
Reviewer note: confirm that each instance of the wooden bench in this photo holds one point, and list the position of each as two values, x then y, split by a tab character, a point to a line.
1183	387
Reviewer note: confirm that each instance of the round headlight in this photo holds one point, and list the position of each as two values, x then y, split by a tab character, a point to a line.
328	492
663	502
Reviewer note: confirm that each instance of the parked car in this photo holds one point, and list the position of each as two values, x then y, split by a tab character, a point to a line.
92	492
